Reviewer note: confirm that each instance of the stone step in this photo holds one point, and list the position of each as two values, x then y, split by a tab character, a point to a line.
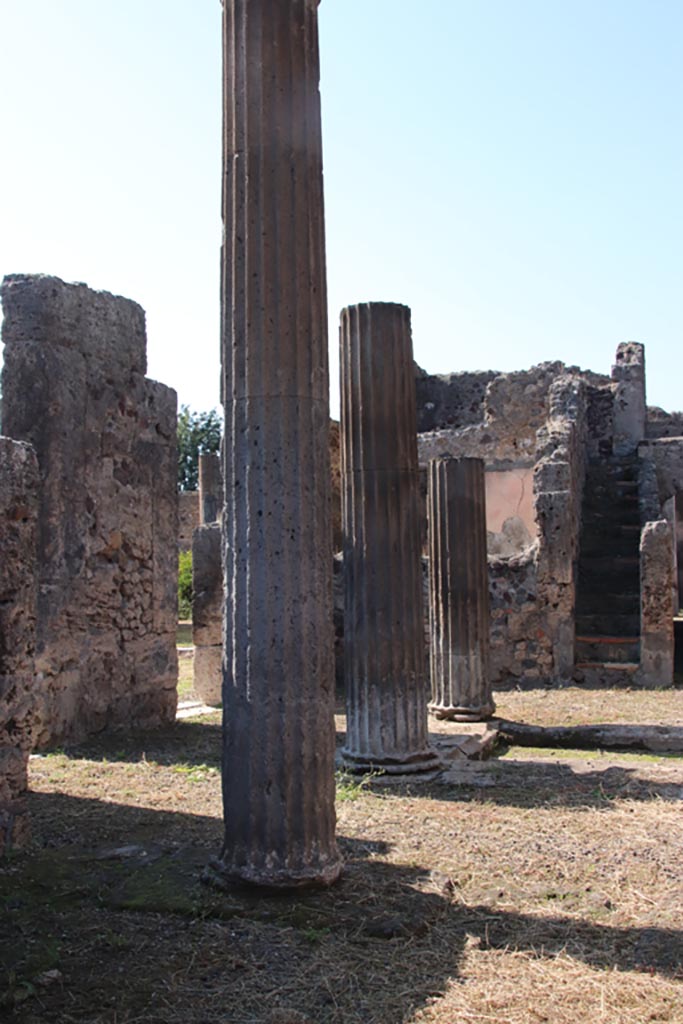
598	507
610	544
592	601
608	624
601	673
610	649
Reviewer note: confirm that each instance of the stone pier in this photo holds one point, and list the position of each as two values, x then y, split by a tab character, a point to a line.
458	591
657	561
207	583
210	488
385	675
74	386
278	683
207	613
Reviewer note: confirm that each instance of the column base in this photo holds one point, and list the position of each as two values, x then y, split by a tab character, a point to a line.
425	761
456	713
225	876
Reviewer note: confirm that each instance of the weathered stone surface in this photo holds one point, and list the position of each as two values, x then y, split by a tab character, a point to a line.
208	674
656	604
278	687
630	407
386	680
19	484
210	488
459	591
104	435
663	424
207	612
450	401
207	586
188	518
533	434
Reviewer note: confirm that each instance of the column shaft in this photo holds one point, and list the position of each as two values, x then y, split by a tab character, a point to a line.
210	488
278	673
386	682
458	591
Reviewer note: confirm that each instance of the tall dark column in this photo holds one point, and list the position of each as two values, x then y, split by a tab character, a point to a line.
386	679
210	488
458	591
278	672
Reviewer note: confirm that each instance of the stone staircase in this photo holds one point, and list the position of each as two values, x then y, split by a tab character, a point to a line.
608	587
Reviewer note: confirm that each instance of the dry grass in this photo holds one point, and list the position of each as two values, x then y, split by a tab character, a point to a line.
577	705
545	888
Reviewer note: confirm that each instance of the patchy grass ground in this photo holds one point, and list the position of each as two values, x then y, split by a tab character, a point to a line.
546	887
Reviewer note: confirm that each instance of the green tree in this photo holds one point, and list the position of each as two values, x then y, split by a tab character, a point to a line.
198	433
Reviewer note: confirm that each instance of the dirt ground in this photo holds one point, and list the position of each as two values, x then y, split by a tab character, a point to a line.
542	886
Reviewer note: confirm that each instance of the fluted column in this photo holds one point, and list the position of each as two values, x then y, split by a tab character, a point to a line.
458	591
210	488
278	672
385	673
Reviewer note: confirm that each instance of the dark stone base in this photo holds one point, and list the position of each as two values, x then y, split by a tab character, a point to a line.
225	876
425	761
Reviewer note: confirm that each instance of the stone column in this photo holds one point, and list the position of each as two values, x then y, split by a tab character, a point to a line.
278	671
458	591
210	488
386	679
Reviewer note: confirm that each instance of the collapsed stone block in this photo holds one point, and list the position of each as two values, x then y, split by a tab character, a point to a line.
105	438
19	484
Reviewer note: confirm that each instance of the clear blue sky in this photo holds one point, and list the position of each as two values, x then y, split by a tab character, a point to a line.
510	169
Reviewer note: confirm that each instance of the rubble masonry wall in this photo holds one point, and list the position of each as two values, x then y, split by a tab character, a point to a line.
74	386
19	484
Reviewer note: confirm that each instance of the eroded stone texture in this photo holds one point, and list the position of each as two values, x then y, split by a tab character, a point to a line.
386	679
210	488
105	437
188	518
19	484
532	433
207	612
558	490
656	604
459	591
630	409
278	688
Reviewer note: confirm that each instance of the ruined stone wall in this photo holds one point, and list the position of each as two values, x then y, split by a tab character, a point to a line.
450	401
533	438
663	424
188	518
105	437
19	484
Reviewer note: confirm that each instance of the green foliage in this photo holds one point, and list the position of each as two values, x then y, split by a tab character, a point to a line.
351	787
185	584
198	434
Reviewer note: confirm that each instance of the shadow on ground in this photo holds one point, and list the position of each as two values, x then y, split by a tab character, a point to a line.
134	935
528	783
